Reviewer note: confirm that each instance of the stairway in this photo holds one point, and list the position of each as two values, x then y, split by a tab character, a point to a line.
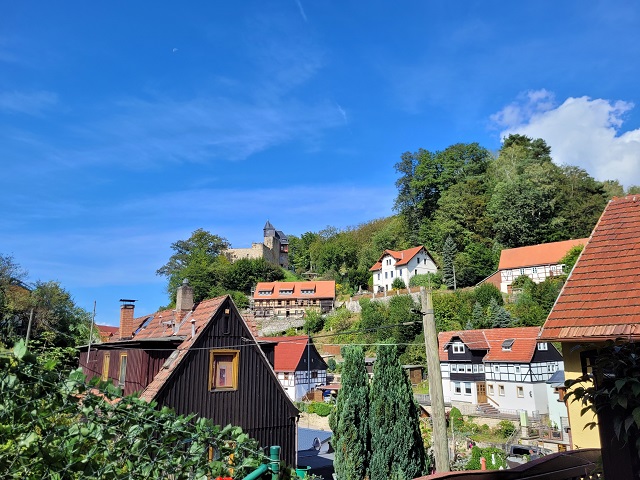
488	409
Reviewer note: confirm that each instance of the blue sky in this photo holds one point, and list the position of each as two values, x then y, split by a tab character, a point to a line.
124	126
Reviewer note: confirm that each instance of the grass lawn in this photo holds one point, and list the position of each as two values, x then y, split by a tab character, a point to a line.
422	387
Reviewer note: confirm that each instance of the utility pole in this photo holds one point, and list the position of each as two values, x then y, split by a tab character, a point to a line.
440	444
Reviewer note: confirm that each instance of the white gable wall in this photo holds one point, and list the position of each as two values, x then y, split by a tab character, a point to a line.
420	264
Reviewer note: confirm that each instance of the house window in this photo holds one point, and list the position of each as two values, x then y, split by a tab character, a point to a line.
543	346
468	368
378	276
475	368
458	347
520	391
391	274
314	374
522	271
467	388
457	388
400	272
415	271
386	274
418	260
480	368
507	344
123	369
105	367
517	368
223	370
490	389
454	368
496	369
501	390
534	270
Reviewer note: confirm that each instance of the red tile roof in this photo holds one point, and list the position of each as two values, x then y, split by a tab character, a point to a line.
156	328
402	257
321	289
601	299
534	255
288	352
107	331
491	339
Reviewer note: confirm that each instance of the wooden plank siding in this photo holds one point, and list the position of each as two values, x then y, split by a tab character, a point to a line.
259	405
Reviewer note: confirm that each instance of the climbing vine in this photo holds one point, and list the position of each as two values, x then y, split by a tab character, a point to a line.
614	386
56	426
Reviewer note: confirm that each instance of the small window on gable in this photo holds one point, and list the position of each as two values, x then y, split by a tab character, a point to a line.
543	346
458	347
517	368
223	370
507	344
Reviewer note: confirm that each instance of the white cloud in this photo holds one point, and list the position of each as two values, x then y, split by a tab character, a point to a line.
32	103
581	131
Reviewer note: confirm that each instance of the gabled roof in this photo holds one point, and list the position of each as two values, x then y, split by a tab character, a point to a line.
601	299
202	314
534	255
402	257
491	339
287	352
319	289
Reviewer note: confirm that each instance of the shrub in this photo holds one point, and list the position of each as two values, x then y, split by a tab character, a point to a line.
319	408
398	284
489	454
505	428
331	364
425	280
314	321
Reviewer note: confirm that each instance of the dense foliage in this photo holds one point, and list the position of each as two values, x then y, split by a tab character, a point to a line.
55	426
200	260
397	446
349	421
55	319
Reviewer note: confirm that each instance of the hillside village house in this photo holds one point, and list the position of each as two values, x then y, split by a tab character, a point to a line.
600	302
293	299
403	265
200	359
297	363
538	262
274	248
500	369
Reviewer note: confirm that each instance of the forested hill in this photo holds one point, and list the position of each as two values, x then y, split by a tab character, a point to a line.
484	202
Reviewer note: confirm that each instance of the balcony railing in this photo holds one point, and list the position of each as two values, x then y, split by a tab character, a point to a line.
572	465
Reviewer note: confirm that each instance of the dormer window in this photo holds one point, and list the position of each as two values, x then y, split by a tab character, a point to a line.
264	292
458	347
507	344
286	292
310	292
543	346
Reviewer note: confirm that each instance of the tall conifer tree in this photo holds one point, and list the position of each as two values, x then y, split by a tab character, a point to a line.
350	419
397	448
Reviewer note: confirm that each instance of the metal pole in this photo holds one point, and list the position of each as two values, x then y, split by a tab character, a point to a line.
274	461
440	446
26	342
93	318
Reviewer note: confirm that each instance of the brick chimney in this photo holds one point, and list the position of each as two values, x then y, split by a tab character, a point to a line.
126	319
184	297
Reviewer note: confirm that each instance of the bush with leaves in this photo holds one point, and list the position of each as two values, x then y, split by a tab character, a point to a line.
489	454
427	280
398	284
320	408
55	426
505	429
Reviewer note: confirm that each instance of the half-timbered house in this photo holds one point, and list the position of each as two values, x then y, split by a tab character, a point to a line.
502	368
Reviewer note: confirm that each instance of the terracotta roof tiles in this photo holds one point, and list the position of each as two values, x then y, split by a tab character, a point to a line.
491	339
601	299
272	290
288	352
402	257
534	255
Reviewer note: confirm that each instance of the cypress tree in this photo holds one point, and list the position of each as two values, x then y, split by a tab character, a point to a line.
397	448
350	419
449	251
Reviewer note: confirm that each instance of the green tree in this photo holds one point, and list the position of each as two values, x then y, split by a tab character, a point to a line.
349	421
478	319
570	258
449	251
397	449
485	293
500	318
195	259
244	273
398	284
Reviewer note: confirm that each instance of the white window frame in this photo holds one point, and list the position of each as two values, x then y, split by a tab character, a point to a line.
501	390
519	391
457	388
490	389
467	388
543	346
457	347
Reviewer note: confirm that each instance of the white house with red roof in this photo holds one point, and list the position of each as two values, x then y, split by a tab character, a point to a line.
297	363
402	264
538	262
500	368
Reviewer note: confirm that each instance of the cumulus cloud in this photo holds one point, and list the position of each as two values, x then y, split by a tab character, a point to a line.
581	131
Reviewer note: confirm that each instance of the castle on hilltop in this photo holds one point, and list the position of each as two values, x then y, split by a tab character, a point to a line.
274	249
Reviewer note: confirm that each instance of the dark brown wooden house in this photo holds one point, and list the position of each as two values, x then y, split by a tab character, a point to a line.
200	359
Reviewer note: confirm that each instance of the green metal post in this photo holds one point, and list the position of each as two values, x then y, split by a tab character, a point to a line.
274	455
